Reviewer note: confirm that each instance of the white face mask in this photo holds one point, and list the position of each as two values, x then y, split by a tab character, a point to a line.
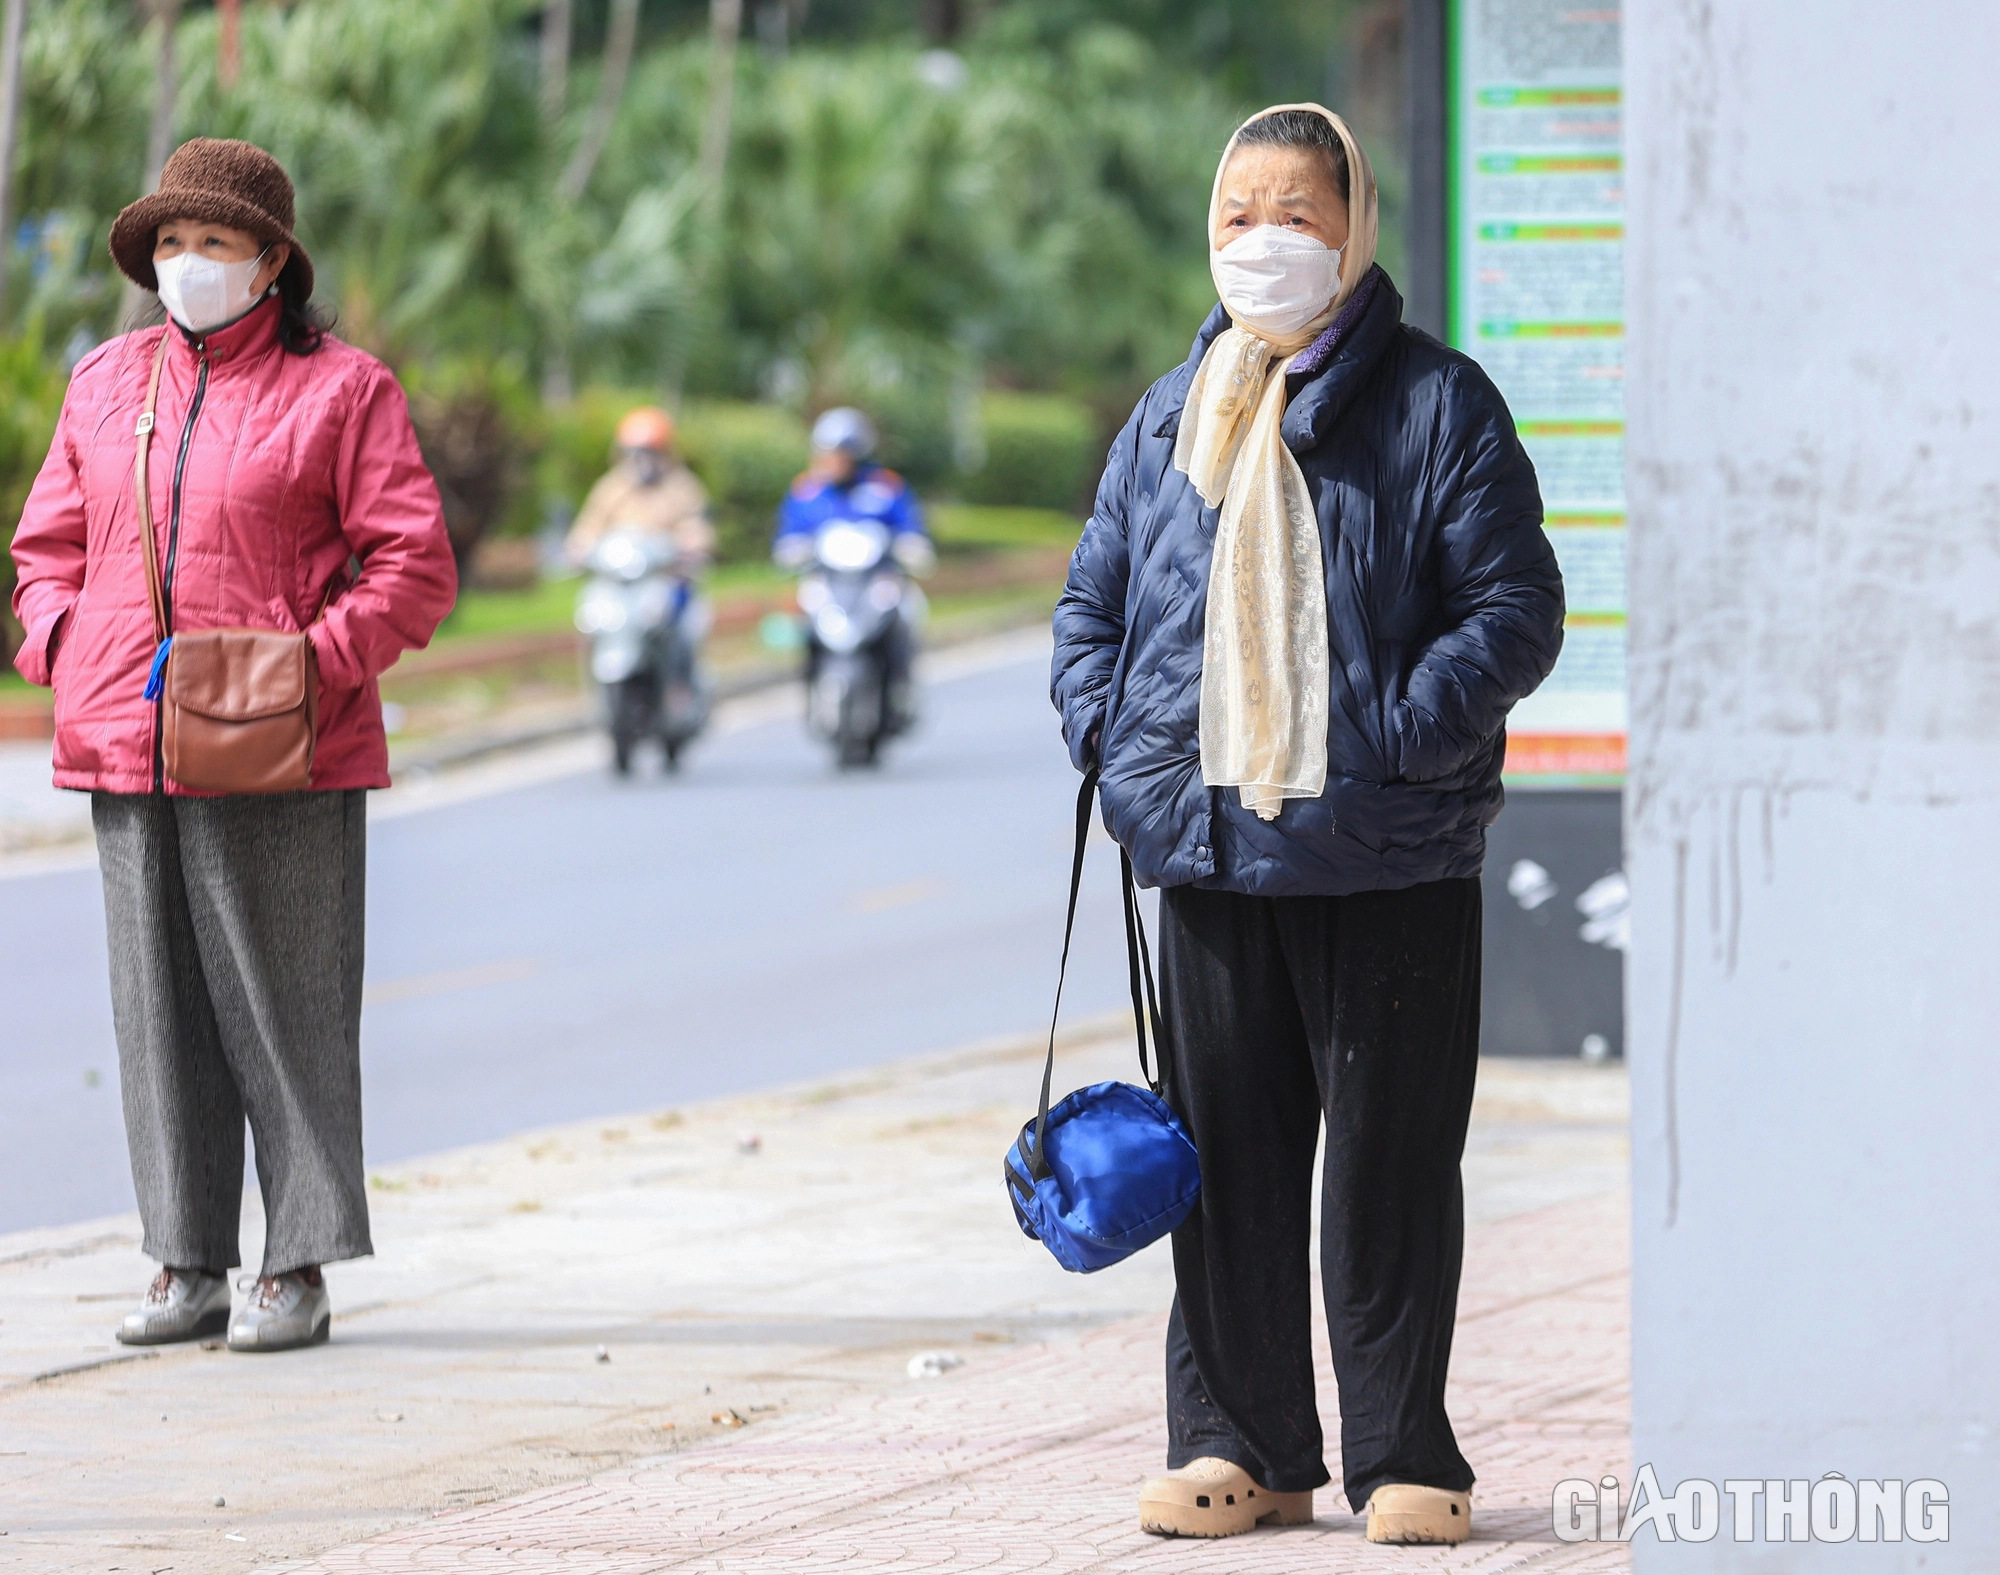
1275	281
200	293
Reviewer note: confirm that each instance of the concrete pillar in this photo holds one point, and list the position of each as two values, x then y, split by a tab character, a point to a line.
1813	816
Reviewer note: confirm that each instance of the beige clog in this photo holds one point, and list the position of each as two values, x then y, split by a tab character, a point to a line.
1404	1512
1214	1498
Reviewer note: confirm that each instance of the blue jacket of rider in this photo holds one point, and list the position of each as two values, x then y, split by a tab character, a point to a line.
873	492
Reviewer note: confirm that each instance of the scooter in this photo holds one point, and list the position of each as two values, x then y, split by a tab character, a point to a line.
645	622
863	612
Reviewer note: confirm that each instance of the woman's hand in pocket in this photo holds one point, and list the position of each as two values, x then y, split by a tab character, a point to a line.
55	643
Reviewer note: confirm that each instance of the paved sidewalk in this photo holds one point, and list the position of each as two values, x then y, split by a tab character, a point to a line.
709	1315
1030	1463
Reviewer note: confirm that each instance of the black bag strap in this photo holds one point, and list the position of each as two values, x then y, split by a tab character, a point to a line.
1139	962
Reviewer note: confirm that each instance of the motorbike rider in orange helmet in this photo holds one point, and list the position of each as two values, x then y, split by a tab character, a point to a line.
648	491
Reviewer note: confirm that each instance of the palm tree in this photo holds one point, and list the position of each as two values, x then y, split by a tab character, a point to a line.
555	62
166	89
725	25
160	131
618	45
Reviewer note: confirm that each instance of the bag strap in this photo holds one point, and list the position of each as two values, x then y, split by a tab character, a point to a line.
1139	962
143	434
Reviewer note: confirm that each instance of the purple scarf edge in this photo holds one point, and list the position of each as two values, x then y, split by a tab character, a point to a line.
1316	355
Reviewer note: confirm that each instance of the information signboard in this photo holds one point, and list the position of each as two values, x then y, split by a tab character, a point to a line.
1535	292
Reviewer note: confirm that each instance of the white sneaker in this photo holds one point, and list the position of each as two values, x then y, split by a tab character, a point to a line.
282	1314
179	1306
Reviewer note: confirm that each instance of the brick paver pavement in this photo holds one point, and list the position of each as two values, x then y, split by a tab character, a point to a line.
1030	1461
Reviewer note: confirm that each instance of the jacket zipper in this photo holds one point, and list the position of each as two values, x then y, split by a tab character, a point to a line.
180	474
174	545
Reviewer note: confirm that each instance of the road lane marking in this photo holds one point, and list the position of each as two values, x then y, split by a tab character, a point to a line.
901	895
420	986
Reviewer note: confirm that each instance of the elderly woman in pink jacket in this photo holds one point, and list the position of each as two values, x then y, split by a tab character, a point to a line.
287	498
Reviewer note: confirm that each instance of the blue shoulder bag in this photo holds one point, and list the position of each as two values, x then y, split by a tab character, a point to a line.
1110	1169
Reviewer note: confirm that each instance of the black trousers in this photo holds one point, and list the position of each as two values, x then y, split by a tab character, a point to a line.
1281	1013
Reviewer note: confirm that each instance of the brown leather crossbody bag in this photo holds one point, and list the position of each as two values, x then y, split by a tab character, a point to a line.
239	708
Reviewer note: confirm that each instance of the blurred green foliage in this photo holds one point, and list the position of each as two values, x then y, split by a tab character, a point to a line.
481	614
746	455
31	388
973	527
899	225
1040	451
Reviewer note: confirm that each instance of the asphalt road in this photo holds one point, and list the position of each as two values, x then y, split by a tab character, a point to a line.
566	948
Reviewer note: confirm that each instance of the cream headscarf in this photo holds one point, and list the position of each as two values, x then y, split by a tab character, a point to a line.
1264	680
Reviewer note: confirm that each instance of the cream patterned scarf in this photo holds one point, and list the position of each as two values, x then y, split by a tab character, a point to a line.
1265	680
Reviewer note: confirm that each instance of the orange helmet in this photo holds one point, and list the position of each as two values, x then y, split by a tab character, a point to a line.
647	427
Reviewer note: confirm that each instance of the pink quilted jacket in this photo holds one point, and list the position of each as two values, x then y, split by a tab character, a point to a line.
280	483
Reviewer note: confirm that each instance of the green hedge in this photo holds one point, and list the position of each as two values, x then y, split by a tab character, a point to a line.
746	455
1042	451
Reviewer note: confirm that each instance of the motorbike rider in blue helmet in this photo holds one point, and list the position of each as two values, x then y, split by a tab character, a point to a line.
843	482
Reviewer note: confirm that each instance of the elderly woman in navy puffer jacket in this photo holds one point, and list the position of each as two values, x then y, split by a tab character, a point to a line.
1310	781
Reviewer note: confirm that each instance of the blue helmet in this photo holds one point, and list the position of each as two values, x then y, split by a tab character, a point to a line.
844	430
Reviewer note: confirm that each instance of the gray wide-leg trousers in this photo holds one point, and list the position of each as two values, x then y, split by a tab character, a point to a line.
236	929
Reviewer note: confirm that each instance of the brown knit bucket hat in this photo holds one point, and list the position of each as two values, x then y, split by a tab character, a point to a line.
220	181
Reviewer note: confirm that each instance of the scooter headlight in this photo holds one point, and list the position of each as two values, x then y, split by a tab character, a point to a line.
620	555
852	544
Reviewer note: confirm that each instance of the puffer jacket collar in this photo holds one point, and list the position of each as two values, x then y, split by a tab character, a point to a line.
1312	411
242	343
1310	417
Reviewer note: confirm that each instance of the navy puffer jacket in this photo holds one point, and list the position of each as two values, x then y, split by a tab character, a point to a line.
1444	608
